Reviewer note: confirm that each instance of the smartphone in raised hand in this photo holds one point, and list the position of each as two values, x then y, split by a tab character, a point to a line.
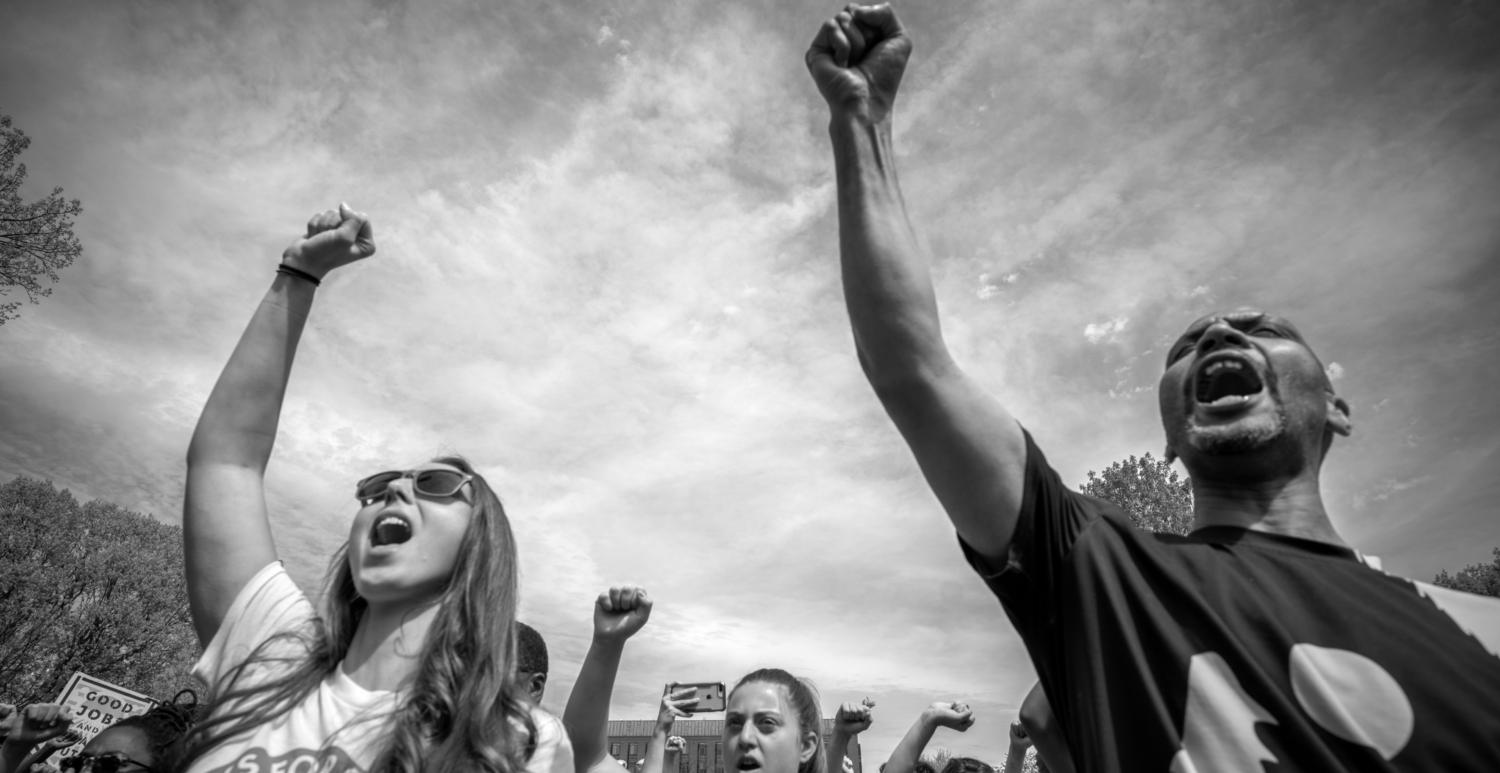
710	696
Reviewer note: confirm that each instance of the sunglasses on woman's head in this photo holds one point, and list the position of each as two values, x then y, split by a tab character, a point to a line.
104	763
427	483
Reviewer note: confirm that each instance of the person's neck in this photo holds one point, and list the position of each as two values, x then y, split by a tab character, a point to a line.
388	643
1291	506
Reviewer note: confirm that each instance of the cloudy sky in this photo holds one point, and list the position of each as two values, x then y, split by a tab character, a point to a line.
607	273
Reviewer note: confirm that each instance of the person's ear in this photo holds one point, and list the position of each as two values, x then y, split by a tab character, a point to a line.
1339	420
809	747
536	684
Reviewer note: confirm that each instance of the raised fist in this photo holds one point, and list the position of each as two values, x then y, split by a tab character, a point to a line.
848	766
853	718
39	722
620	612
676	744
955	715
857	59
334	238
1018	736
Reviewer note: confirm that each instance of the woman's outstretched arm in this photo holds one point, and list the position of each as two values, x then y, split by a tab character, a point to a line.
226	534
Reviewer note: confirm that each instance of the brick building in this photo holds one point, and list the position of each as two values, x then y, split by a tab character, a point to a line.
705	750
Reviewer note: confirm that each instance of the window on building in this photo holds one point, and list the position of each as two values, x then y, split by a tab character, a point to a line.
719	757
702	758
630	760
614	750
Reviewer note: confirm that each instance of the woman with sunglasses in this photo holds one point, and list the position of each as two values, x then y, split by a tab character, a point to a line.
411	665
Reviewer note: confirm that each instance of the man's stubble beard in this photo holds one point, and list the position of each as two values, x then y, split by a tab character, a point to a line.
1242	436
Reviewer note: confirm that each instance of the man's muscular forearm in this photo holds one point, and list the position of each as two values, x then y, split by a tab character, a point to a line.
892	307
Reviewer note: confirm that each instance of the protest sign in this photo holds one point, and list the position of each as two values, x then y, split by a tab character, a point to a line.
96	704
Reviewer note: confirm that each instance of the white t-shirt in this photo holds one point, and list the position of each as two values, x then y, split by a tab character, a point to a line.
339	726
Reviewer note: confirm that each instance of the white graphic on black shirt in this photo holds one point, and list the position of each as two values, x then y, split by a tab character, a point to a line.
1352	697
1218	728
1346	693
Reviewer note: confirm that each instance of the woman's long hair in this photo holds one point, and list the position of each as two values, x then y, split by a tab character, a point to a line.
803	697
464	709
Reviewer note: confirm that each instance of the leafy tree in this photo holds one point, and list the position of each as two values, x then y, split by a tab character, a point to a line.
1149	491
1483	579
35	238
93	588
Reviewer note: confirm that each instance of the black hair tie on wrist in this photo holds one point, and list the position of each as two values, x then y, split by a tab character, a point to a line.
299	273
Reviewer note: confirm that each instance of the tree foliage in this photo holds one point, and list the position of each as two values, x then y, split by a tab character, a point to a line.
1149	491
93	588
36	239
1483	579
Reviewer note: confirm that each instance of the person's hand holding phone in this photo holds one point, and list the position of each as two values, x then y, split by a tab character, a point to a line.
675	701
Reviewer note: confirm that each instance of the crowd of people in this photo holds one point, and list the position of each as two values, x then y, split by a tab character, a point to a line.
1261	639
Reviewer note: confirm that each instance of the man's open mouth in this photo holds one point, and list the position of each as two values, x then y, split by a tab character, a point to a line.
390	529
747	763
1227	381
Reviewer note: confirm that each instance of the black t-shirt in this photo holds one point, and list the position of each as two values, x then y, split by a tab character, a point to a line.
1234	650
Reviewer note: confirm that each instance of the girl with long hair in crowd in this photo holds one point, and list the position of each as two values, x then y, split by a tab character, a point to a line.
773	724
411	665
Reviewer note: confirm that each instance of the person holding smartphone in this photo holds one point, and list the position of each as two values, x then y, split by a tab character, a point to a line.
664	750
412	664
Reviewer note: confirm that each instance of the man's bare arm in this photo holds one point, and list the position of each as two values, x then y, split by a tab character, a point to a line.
969	447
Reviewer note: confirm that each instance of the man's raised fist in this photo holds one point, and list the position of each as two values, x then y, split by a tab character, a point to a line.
857	59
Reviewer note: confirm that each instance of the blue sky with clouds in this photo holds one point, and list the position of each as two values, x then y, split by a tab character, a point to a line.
608	274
